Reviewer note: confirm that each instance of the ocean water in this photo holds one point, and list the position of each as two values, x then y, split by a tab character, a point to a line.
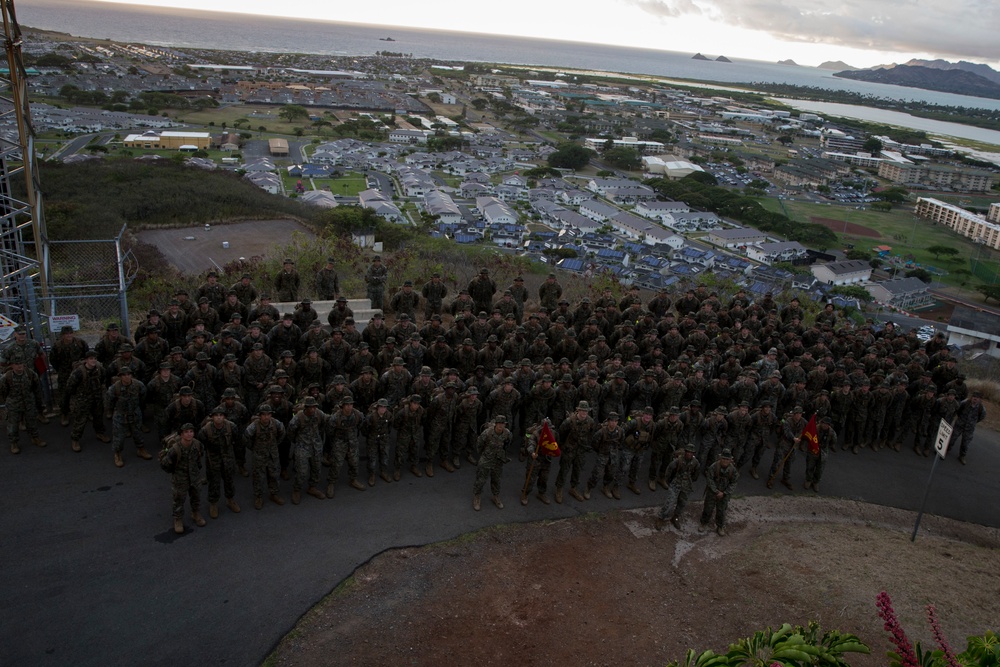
243	32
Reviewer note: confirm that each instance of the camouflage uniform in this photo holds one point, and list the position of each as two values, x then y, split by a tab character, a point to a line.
434	294
639	438
286	285
607	443
327	284
185	476
376	429
442	418
668	440
85	390
409	427
463	434
791	431
816	463
680	476
493	454
218	443
970	413
22	394
306	434
718	480
574	441
344	428
65	355
375	279
125	404
263	441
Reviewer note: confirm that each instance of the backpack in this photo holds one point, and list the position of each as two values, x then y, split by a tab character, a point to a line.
168	463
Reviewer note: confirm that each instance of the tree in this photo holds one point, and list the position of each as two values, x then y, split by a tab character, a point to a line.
570	156
883	206
623	158
873	146
852	292
857	253
922	275
785	140
938	250
896	195
989	292
292	112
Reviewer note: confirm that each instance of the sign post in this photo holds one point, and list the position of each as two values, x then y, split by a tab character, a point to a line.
941	447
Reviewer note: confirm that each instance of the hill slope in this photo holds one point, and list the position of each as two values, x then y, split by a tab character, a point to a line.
955	81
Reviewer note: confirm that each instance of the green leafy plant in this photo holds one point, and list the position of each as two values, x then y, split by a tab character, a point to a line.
785	647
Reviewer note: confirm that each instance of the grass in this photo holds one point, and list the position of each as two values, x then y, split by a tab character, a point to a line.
907	234
257	115
451	181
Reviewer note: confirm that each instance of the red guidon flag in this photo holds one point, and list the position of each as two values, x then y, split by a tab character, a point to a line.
547	441
809	433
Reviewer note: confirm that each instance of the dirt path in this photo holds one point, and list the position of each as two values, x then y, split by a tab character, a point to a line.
849	228
608	590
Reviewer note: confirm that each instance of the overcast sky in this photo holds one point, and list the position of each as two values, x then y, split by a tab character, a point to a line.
860	32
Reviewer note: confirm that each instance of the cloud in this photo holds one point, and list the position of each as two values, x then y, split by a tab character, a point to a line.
956	28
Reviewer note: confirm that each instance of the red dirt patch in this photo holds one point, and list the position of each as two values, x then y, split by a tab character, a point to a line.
849	228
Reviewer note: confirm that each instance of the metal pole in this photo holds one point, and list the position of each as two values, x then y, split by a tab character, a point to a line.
122	294
927	492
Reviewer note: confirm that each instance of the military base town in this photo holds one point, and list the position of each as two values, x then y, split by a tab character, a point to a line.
639	394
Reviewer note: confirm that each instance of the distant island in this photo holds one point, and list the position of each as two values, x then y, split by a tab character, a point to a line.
720	59
788	62
984	71
835	65
723	59
386	39
957	81
698	56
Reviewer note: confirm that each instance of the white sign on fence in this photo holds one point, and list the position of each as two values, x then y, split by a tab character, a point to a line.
943	438
57	322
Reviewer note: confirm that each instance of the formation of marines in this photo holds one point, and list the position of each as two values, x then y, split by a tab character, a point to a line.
683	386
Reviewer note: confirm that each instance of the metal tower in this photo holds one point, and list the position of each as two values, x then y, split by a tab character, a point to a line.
24	247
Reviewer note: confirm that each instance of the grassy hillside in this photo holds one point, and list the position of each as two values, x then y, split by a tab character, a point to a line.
94	199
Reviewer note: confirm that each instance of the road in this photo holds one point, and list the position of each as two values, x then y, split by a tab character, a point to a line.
94	575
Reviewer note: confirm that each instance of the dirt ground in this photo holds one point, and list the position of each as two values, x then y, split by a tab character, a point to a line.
607	589
205	251
852	229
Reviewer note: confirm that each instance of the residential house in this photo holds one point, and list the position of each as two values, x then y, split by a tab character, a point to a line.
736	238
597	210
902	293
495	212
442	206
266	181
771	253
659	210
383	207
848	272
644	231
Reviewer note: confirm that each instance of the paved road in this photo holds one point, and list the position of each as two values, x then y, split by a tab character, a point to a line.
94	576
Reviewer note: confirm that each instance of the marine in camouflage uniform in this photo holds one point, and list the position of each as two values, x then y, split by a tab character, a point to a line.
21	391
442	418
463	434
481	290
67	353
124	400
784	454
344	427
327	282
85	390
492	445
409	422
262	436
219	436
237	413
538	466
669	436
574	440
640	434
720	480
184	408
183	461
375	279
682	471
607	443
286	282
765	422
306	432
434	293
970	412
377	425
815	463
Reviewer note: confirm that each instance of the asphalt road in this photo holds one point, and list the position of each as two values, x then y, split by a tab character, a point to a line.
94	575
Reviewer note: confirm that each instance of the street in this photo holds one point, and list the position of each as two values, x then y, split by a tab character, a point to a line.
95	576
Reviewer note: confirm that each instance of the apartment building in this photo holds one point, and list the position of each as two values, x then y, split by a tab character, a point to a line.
961	221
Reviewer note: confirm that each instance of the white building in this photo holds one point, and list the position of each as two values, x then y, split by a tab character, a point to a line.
771	253
848	272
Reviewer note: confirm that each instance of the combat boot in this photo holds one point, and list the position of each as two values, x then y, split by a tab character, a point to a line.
559	496
586	492
807	485
243	470
396	475
213	510
471	459
702	527
721	530
355	484
296	497
446	464
524	498
855	449
119	462
415	471
429	469
456	463
496	501
276	499
652	484
37	442
179	526
385	477
285	475
897	446
576	494
606	491
104	437
143	454
475	502
676	521
916	450
199	520
544	498
787	483
659	523
371	478
75	445
616	492
633	488
318	495
233	507
754	473
961	459
258	503
331	489
43	418
815	487
63	420
14	449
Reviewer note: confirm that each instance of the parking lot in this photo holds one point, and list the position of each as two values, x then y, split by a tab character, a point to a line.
197	249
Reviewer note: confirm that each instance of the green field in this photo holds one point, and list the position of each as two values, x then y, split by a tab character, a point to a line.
348	185
907	235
